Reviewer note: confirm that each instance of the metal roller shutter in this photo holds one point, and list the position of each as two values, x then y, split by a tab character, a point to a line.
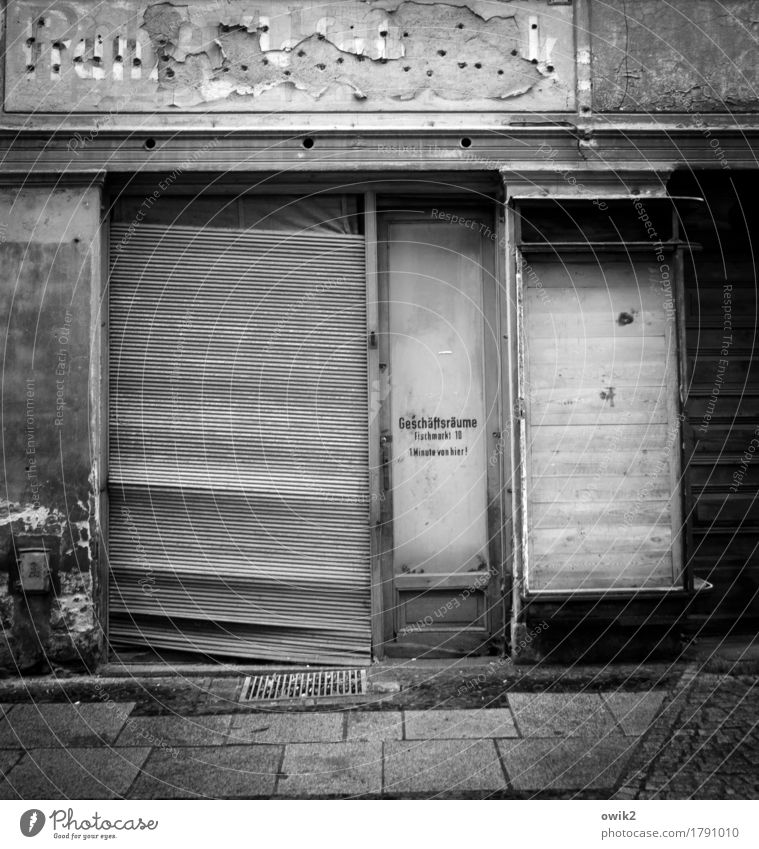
238	462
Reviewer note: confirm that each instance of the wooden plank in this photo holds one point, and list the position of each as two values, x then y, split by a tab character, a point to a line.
607	295
601	540
611	514
724	439
738	371
632	275
609	417
728	508
711	340
721	474
738	301
442	580
577	367
727	407
599	571
552	489
612	462
599	404
711	546
582	325
631	437
714	268
645	350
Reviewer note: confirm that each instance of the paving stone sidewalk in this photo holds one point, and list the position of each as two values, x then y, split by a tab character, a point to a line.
557	744
694	734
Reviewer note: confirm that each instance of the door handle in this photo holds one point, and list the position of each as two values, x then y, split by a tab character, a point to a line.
385	440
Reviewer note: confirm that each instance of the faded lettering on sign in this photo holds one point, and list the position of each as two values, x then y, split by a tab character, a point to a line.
236	56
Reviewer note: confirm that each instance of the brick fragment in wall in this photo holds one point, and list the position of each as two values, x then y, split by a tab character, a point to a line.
6	607
7	637
73	611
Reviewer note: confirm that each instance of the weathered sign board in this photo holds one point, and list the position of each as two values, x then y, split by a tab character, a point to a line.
132	56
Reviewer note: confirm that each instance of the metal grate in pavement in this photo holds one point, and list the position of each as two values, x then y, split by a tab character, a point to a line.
326	683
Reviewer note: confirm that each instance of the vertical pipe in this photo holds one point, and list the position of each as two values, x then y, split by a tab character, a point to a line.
512	365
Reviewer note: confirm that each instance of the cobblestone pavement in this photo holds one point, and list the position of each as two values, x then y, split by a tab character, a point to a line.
704	743
642	732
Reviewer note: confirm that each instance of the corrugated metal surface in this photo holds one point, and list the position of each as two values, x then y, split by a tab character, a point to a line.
238	483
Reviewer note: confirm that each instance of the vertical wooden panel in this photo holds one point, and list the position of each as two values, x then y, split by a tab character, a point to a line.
443	517
603	444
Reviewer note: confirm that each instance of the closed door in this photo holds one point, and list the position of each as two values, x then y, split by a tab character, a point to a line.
440	434
602	439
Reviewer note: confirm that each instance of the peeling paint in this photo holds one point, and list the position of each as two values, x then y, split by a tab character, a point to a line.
404	58
29	518
50	493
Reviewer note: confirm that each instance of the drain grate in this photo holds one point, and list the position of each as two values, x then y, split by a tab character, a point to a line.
326	683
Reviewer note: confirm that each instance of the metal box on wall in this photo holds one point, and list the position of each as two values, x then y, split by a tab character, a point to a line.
32	570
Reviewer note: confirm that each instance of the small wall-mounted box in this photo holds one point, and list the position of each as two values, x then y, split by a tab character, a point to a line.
33	570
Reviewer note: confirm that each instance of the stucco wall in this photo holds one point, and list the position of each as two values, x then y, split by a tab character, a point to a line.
679	56
50	272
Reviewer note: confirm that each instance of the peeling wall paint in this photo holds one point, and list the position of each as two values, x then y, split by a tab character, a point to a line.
354	54
29	518
49	253
679	56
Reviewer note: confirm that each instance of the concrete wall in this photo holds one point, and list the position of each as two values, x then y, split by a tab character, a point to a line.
50	271
679	56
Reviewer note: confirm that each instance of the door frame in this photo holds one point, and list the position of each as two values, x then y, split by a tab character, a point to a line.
452	188
489	214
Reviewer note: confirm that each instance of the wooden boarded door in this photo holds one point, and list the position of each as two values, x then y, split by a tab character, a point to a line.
602	436
439	430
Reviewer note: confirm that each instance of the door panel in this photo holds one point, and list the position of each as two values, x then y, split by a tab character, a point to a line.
602	431
439	355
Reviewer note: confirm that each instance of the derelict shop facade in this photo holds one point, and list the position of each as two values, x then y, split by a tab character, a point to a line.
352	330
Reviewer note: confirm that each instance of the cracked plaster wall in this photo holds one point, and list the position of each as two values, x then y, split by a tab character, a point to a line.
680	56
50	259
